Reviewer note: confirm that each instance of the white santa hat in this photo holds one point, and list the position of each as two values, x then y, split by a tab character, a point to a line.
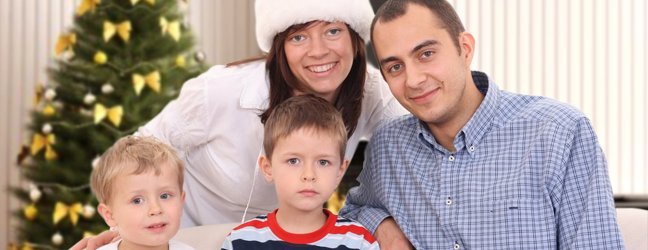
275	16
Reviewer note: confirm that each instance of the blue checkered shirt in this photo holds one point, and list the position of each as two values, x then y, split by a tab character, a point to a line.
528	173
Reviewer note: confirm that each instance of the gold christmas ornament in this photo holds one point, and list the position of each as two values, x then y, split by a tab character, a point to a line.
87	5
57	239
87	234
40	141
151	2
152	80
123	29
180	61
61	210
27	246
30	212
64	43
49	110
335	202
172	28
114	114
100	57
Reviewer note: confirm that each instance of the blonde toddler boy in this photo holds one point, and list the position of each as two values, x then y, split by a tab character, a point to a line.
138	183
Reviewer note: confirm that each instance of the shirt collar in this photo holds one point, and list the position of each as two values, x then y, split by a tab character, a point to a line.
481	121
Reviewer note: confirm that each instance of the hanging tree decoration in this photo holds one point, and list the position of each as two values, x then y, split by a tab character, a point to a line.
114	114
107	88
180	61
172	28
49	110
151	79
47	128
151	2
88	211
65	43
50	94
61	210
199	56
87	5
100	57
123	29
30	211
57	239
34	193
89	98
40	141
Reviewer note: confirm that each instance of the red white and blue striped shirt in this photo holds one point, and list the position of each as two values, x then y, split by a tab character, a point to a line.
263	232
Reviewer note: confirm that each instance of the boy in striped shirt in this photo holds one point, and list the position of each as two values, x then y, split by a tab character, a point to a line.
304	145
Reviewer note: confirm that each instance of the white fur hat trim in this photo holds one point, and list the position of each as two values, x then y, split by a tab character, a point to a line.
275	16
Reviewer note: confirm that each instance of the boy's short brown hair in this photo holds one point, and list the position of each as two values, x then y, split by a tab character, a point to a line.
303	111
132	155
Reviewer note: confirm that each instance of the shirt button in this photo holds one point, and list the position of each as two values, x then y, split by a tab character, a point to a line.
451	158
448	201
471	148
457	246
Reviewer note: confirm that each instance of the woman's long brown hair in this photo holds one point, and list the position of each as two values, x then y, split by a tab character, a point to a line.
283	81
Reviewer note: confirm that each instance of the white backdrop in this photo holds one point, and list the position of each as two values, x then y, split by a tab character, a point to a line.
589	53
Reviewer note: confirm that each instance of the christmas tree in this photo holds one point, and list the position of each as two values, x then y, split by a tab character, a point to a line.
115	69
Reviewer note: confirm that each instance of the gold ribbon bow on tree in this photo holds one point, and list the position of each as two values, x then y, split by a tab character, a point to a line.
151	2
61	210
64	42
87	5
40	141
114	114
123	29
173	28
152	80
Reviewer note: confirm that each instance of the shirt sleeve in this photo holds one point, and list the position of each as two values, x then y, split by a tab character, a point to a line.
586	216
181	124
361	204
227	244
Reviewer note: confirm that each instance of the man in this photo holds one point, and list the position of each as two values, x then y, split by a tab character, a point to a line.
474	167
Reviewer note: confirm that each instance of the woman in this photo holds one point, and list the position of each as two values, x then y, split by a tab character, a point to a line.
312	46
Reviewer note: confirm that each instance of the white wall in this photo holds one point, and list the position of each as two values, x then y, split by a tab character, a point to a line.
589	53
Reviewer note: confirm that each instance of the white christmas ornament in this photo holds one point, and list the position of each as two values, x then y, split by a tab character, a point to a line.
57	239
86	112
50	94
34	194
199	56
89	99
107	88
95	162
67	55
88	211
47	128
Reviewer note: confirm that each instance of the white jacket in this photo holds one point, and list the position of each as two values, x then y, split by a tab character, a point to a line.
215	127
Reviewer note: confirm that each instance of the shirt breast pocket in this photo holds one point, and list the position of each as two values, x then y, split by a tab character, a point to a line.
492	224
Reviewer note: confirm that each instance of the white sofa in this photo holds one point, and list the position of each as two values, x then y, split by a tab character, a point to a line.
633	223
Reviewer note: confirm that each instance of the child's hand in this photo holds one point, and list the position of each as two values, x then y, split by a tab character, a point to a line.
94	242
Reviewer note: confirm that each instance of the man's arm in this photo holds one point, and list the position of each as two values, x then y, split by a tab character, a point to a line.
585	214
363	206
